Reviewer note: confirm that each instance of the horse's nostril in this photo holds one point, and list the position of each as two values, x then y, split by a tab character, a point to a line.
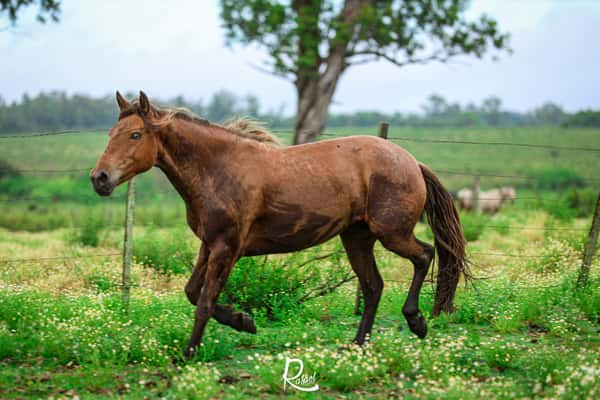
100	177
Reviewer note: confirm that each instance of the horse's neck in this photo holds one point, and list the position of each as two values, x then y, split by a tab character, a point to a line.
181	156
187	154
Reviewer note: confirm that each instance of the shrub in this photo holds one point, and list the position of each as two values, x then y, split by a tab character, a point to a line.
30	217
63	188
559	209
169	254
260	284
576	203
8	170
100	282
558	178
277	287
501	224
88	234
473	225
581	201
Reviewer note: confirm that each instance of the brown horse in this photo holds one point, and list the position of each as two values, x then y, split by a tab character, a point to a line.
246	196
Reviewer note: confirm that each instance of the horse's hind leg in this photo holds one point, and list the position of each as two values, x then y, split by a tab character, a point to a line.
237	320
222	314
420	254
358	243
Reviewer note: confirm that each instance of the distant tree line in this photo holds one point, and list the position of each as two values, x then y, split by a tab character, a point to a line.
438	112
57	110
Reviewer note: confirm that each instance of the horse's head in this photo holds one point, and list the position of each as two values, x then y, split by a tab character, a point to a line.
132	147
508	193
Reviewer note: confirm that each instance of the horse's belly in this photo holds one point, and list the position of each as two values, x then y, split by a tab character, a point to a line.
276	234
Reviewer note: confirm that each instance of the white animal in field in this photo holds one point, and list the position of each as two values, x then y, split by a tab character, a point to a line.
489	201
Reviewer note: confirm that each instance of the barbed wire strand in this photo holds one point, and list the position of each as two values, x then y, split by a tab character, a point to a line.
315	256
490	174
53	133
393	139
151	224
42	259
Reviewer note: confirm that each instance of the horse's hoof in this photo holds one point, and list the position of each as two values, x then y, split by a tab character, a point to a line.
360	341
347	347
176	361
189	352
242	322
248	324
418	326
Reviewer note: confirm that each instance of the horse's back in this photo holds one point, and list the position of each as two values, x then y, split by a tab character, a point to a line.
351	179
369	153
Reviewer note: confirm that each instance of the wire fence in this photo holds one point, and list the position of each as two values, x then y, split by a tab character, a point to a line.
151	224
316	255
326	134
487	174
490	174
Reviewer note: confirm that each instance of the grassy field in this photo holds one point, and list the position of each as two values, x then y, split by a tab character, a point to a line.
522	330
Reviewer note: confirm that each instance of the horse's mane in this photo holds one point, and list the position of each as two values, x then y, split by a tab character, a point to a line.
244	127
251	129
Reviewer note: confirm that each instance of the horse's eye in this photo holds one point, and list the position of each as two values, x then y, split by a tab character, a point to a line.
135	136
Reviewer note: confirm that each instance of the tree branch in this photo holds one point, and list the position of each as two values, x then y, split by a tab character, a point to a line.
326	288
272	72
439	56
317	258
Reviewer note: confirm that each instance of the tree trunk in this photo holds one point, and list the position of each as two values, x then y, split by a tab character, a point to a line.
315	87
314	97
313	106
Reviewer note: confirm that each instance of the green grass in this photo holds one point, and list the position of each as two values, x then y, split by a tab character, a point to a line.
526	332
64	343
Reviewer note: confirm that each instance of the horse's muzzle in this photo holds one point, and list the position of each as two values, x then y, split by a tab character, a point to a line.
102	183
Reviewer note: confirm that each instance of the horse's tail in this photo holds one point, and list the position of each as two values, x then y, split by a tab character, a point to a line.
449	241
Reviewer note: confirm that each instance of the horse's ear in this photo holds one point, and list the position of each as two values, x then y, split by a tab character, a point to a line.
144	103
122	102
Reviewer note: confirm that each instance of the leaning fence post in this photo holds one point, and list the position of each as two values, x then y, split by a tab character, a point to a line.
128	242
590	247
383	133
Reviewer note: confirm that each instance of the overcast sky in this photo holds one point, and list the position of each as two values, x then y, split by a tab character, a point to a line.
177	47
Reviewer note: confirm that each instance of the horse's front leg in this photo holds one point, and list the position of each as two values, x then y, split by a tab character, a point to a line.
221	259
223	314
194	284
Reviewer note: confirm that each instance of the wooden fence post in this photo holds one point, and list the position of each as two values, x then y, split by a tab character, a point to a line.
128	243
590	248
476	192
383	130
383	133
